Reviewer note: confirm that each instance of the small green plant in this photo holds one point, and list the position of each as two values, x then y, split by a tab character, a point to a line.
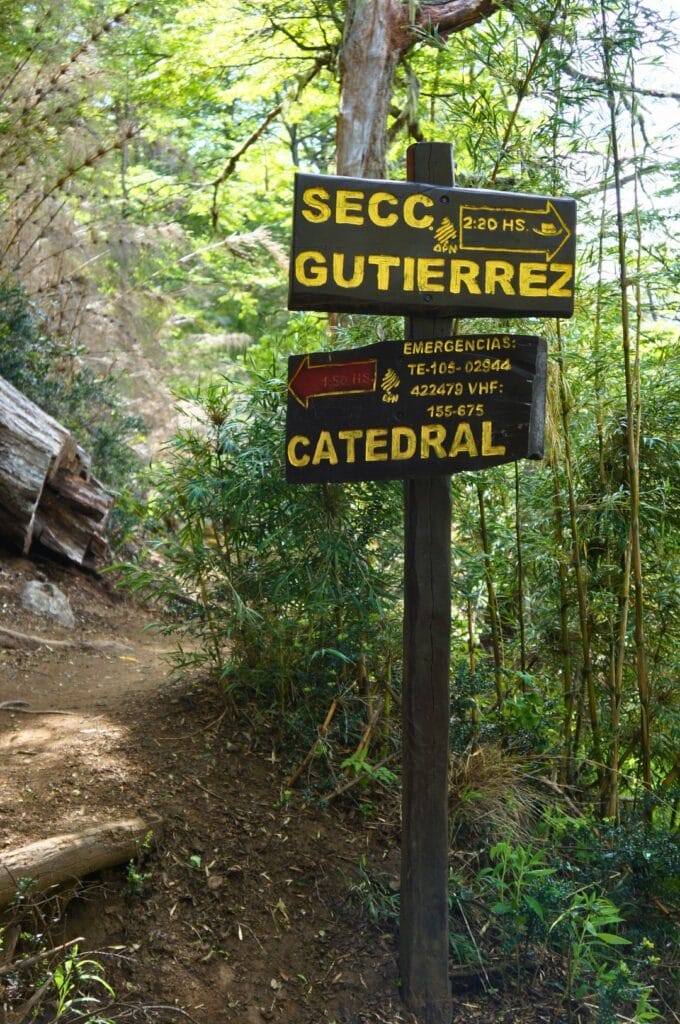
57	983
616	987
136	878
359	765
588	932
515	877
586	928
75	980
379	899
284	798
24	887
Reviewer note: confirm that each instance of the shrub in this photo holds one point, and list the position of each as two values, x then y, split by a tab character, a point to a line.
283	590
50	374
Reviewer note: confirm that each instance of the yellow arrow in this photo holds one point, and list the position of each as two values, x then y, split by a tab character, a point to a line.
513	230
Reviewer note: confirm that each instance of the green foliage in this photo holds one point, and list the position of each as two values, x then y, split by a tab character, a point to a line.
587	934
536	908
468	690
585	930
279	588
58	983
75	979
359	765
136	879
537	914
633	863
303	332
378	897
513	878
51	375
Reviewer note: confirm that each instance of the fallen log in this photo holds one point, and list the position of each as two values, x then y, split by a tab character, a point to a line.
70	516
71	856
33	446
47	491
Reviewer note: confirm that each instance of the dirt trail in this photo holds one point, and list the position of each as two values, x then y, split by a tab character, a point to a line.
241	913
57	770
245	910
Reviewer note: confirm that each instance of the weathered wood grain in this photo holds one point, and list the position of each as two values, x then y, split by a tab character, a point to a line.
423	929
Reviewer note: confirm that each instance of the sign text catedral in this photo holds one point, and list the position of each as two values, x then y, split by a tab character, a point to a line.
406	409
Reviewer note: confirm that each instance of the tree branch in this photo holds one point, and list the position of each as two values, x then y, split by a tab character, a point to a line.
581	76
293	38
233	160
609	183
448	17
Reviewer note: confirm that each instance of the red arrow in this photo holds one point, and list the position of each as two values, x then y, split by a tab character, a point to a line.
351	378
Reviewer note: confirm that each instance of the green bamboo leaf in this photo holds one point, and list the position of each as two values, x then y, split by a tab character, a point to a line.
534	905
611	939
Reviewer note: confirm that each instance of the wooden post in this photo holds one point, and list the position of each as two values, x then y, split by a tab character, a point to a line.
423	932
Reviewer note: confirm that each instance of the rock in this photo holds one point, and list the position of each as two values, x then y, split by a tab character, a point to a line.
46	599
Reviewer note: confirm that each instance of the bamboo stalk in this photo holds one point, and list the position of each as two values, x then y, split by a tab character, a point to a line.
565	646
523	89
496	639
597	336
470	635
633	425
472	661
520	577
387	705
579	568
322	730
617	689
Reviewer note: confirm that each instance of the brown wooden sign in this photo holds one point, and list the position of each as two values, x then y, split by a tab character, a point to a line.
407	409
401	247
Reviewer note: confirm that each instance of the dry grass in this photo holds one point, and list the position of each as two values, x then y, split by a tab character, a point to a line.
494	794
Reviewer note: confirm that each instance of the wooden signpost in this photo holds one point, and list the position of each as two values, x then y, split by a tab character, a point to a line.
415	408
420	409
426	249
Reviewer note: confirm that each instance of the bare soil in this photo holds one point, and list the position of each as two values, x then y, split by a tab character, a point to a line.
243	908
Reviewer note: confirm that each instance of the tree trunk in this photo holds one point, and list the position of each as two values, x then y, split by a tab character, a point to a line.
631	364
369	58
378	33
70	856
71	516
